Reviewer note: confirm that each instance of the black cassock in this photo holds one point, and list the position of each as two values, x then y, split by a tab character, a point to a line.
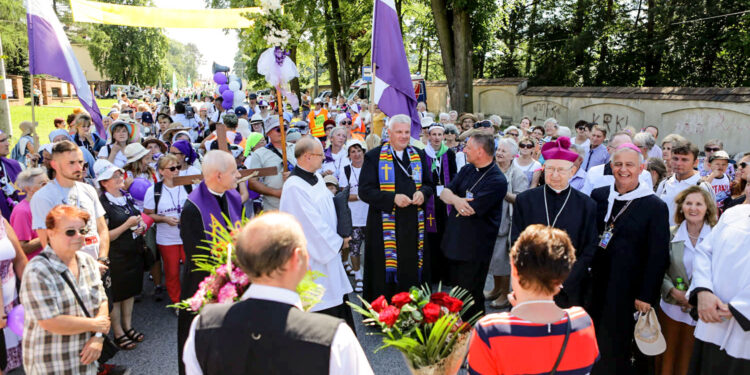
193	235
577	219
438	264
631	267
406	226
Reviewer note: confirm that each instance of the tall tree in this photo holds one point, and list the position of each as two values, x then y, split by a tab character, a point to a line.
453	24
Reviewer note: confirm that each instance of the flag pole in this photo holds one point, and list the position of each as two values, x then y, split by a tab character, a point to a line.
280	107
31	62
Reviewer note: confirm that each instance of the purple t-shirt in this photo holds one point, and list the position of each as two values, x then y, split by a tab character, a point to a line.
20	220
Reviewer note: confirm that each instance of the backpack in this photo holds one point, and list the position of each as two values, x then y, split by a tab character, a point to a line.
157	193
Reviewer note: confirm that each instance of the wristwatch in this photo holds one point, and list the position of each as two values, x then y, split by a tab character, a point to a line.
98	334
104	260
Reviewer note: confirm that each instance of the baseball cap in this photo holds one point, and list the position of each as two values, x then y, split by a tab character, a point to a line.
317	101
147	118
719	155
240	111
648	336
262	103
252	96
272	122
256	118
331	179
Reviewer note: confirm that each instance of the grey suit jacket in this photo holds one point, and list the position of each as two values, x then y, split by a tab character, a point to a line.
676	268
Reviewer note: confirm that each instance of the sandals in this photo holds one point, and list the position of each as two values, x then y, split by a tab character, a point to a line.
358	285
125	343
134	335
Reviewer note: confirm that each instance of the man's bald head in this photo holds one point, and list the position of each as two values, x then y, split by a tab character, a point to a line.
618	139
267	243
217	161
309	153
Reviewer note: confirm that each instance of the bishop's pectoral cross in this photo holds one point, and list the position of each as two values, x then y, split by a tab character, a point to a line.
221	137
430	219
385	169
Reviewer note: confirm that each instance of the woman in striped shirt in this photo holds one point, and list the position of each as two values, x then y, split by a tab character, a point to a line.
536	336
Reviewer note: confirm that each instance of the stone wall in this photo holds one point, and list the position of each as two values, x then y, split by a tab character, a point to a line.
699	114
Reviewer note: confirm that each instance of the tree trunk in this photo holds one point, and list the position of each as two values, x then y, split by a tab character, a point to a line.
427	62
421	50
532	34
454	34
333	68
316	62
342	44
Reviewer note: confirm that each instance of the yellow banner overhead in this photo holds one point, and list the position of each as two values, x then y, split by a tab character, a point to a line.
136	16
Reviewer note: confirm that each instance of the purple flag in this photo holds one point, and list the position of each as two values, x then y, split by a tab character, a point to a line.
394	92
50	53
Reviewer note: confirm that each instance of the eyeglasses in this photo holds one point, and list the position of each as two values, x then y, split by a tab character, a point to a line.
72	232
526	145
172	168
482	124
513	134
712	149
743	165
346	122
316	154
581	128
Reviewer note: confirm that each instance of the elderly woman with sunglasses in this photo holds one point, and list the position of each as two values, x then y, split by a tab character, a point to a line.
125	251
58	337
451	138
526	161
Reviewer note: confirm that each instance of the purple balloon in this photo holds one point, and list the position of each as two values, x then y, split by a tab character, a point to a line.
220	78
228	96
15	320
226	105
138	188
223	88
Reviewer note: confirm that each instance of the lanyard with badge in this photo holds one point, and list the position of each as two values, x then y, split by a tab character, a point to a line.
414	173
469	194
609	232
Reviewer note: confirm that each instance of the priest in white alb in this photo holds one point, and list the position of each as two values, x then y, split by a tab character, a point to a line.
311	203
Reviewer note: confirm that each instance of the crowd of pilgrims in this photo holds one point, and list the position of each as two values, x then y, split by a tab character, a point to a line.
656	222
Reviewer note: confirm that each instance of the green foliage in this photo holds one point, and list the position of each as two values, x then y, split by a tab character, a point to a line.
183	59
126	54
14	37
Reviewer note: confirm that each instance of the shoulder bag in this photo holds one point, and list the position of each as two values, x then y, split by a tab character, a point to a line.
564	345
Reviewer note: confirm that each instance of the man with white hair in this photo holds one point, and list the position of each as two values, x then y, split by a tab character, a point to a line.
633	255
601	175
215	197
445	118
550	129
422	110
395	182
558	205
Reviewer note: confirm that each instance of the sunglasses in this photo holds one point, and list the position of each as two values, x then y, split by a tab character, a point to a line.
72	232
581	128
513	134
346	122
329	128
526	145
172	169
714	149
482	124
743	165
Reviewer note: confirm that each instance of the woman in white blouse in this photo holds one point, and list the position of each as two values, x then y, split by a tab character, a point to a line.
695	216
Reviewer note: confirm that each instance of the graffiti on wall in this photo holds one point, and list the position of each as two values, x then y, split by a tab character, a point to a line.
701	124
614	117
541	110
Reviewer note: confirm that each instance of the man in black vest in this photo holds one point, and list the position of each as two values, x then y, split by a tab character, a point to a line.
267	332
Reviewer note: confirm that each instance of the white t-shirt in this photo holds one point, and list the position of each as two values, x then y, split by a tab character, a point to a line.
120	159
358	207
171	202
191	170
339	161
721	189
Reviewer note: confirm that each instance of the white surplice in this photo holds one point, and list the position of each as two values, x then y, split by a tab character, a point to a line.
722	264
313	207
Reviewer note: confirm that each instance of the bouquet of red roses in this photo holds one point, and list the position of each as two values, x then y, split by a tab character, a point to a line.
425	326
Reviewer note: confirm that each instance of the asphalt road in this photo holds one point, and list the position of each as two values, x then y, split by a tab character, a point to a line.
157	354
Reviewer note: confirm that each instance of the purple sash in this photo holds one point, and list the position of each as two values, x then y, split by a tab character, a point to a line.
12	169
430	219
210	210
